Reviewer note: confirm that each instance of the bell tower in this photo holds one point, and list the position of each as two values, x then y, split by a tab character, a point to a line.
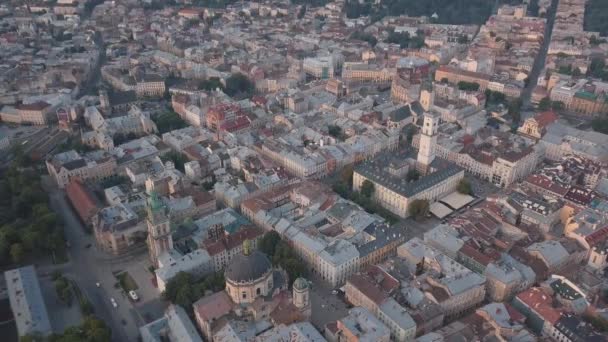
428	140
301	296
159	229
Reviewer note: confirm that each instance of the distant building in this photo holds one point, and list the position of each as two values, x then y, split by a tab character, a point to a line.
38	113
64	167
27	302
561	140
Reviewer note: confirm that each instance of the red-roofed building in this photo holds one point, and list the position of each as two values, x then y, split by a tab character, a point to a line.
537	305
210	308
370	288
222	250
228	117
82	200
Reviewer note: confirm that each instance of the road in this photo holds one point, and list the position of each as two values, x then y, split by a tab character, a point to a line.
539	62
87	266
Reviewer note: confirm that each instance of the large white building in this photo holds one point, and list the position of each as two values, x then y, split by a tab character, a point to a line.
561	141
499	157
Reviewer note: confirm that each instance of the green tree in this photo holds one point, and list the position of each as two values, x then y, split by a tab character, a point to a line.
600	125
464	187
269	242
419	208
302	12
212	83
239	85
545	103
514	110
177	158
367	188
17	253
335	131
168	121
557	105
468	86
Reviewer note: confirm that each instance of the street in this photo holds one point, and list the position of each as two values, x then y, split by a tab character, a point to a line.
539	62
326	307
87	266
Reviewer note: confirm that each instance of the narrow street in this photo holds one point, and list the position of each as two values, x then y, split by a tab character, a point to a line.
88	266
539	62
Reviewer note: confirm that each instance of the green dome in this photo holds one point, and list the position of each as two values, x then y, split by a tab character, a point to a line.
300	284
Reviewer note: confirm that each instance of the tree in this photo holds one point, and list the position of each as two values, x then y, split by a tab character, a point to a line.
96	330
419	208
464	187
177	158
545	103
514	110
239	85
600	125
367	188
335	131
346	175
212	83
17	252
596	16
468	86
360	35
412	175
302	12
269	242
557	105
168	121
410	131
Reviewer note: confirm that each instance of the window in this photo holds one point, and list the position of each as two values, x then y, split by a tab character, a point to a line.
244	295
258	291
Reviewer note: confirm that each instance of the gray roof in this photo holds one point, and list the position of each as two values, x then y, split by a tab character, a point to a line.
375	171
248	267
27	302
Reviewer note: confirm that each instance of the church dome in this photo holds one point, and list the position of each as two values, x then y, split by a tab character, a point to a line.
248	267
300	284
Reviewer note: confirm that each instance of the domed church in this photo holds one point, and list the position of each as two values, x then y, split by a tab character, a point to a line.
256	295
250	275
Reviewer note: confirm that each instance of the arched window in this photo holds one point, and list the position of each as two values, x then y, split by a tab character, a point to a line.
258	291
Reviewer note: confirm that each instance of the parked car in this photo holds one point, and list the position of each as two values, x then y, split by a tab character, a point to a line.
133	295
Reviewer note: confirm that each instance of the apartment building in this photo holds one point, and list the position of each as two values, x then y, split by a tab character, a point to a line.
95	166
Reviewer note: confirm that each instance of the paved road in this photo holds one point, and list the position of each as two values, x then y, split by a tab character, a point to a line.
325	306
539	63
88	266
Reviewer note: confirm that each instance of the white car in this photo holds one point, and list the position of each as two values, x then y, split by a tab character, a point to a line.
97	284
114	304
133	295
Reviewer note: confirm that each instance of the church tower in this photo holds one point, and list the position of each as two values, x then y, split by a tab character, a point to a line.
159	229
428	140
301	296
